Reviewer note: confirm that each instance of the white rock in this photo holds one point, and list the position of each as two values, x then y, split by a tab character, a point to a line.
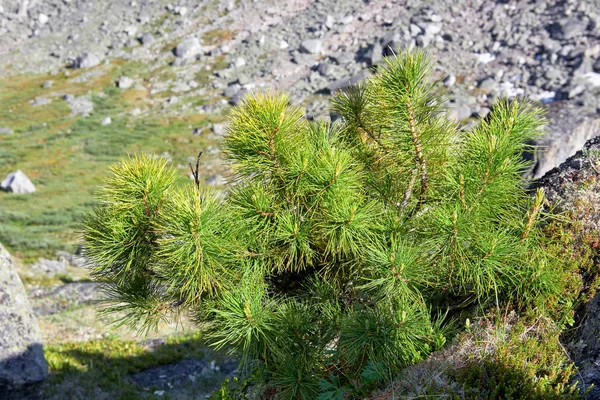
106	121
283	45
188	48
43	19
329	22
17	182
312	46
239	62
125	82
485	58
86	60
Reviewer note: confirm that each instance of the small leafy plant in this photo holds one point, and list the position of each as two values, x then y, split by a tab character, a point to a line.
340	250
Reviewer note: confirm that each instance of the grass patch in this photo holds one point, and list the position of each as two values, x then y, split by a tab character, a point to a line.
100	368
67	156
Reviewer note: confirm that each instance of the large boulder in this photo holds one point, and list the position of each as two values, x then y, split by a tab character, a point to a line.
22	362
567	131
17	182
574	188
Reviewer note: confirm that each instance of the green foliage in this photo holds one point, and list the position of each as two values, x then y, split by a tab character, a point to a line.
324	264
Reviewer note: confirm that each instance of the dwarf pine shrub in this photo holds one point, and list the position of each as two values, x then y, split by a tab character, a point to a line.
337	249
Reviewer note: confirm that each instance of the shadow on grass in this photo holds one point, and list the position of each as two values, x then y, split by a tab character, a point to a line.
177	368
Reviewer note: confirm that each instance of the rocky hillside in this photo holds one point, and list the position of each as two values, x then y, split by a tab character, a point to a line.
218	50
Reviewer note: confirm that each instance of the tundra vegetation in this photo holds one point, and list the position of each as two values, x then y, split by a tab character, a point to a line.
343	253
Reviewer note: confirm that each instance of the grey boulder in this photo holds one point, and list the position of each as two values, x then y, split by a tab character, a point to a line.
17	182
22	362
86	60
188	48
311	46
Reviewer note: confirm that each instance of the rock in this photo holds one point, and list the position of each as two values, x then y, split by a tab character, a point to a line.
567	28
238	97
231	90
459	111
483	112
188	48
573	187
48	300
566	133
22	362
50	267
239	62
147	39
449	80
125	82
17	182
186	370
219	129
596	65
311	46
86	60
48	84
41	101
80	105
106	121
283	45
6	131
423	40
43	19
329	22
487	84
216	180
345	82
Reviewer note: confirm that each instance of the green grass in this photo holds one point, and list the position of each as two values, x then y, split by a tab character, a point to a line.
67	157
100	368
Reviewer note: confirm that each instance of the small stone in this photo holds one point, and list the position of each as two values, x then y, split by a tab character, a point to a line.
311	46
449	81
47	84
346	20
188	48
423	40
147	39
487	84
219	129
106	121
459	111
6	131
329	22
86	60
283	45
231	90
17	182
239	62
483	112
41	101
124	82
216	180
576	91
43	19
567	28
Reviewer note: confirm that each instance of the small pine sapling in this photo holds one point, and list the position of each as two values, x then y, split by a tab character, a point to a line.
324	265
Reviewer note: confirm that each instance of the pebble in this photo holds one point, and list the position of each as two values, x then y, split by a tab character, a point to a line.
312	46
106	121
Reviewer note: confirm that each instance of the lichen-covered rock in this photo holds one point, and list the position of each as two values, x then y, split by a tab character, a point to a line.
574	188
22	362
